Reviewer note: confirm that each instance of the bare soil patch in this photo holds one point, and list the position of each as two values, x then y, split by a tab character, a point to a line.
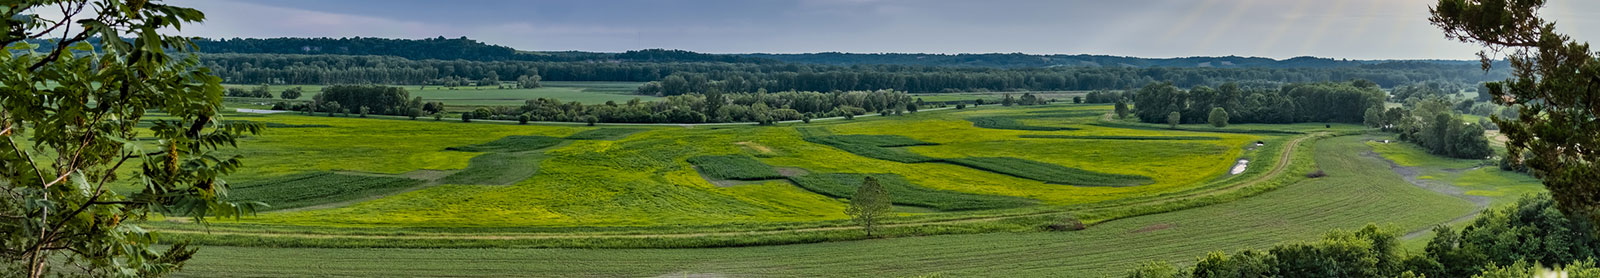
759	148
791	171
1153	227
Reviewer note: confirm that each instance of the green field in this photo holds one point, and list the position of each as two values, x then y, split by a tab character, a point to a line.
585	92
986	192
1358	190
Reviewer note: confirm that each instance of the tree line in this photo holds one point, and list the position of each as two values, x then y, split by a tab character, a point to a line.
675	78
1293	103
764	108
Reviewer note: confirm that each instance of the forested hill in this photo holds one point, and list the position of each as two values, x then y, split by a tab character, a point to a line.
1019	60
441	48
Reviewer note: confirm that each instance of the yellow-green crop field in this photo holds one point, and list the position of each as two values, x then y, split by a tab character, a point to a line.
641	177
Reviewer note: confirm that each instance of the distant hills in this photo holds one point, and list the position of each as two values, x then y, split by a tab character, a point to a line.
462	48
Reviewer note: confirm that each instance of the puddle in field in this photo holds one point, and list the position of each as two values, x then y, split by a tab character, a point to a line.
1239	168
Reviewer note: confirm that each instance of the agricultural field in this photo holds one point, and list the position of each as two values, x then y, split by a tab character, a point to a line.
585	92
1359	189
993	176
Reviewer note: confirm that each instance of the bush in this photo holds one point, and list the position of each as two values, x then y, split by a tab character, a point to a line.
960	106
1066	223
522	119
1316	174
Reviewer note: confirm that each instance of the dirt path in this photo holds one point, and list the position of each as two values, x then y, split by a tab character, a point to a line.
1278	169
1413	176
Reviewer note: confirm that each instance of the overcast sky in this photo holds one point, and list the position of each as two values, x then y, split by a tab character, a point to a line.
1356	29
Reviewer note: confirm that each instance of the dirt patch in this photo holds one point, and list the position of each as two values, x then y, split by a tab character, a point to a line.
791	171
759	148
1153	227
426	175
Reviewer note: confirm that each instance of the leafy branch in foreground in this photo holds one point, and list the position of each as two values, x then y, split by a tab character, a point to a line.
1555	84
69	120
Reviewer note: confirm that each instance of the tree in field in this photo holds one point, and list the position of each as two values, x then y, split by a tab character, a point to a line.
466	117
1556	83
1218	117
1008	100
291	93
363	111
870	204
1174	118
65	143
262	91
414	112
528	81
1122	109
911	107
331	107
523	119
1077	100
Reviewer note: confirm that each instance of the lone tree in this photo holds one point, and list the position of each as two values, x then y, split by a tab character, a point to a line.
1556	84
291	93
1122	109
870	204
71	116
1218	118
1173	119
528	81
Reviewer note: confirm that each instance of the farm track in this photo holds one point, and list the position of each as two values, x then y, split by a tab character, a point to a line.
1278	169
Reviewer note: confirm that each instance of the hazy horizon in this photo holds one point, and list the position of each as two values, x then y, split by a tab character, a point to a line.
1358	30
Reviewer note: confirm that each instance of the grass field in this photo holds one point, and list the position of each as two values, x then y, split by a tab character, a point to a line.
585	92
1359	190
570	178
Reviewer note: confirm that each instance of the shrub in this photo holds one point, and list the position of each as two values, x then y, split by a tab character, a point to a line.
1316	174
960	106
1066	223
522	119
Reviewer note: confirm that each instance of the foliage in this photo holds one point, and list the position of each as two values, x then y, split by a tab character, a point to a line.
1344	102
291	93
1218	117
383	100
733	167
869	205
70	122
1434	128
308	189
1554	85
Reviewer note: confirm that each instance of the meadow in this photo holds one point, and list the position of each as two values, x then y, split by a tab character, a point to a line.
556	179
1359	189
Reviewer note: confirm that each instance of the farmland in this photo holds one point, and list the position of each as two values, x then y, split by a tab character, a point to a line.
1358	190
560	186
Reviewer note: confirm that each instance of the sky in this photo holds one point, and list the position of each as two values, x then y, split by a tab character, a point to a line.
1353	29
